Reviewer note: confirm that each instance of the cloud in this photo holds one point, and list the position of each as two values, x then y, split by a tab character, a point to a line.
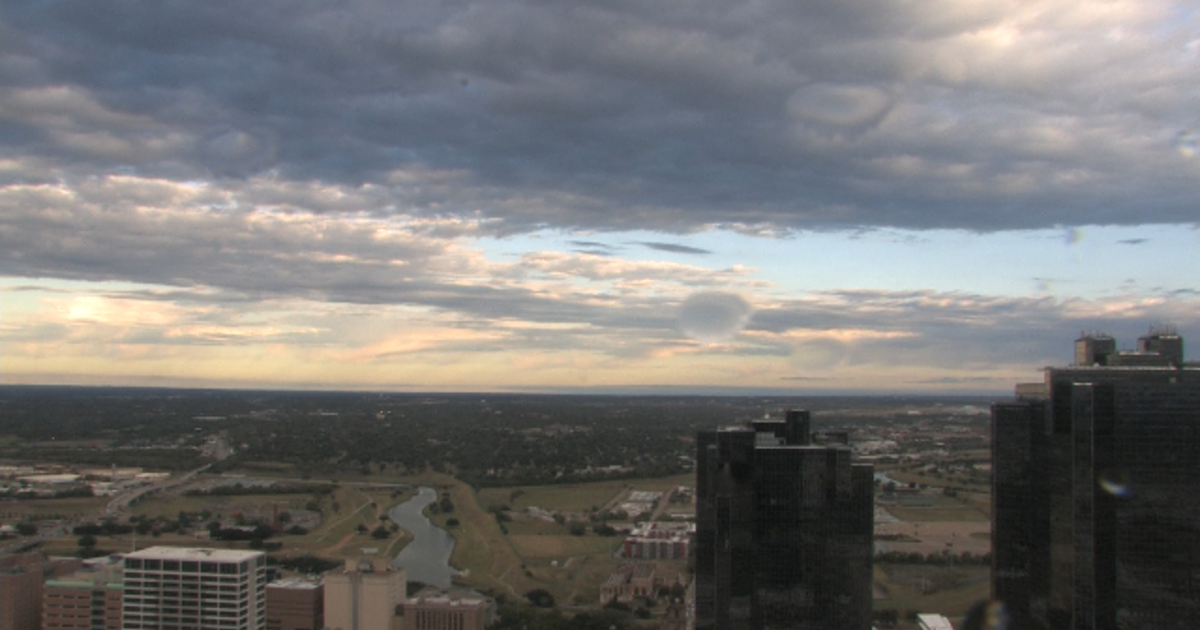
615	117
675	248
713	316
323	182
594	248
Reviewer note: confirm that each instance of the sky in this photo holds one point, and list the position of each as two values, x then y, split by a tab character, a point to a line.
612	196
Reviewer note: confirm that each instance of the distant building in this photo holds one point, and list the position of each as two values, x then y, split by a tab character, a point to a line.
783	530
366	594
89	599
933	622
659	541
295	604
628	583
185	588
675	617
21	578
1095	471
447	611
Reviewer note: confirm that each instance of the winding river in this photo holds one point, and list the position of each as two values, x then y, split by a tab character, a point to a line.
427	558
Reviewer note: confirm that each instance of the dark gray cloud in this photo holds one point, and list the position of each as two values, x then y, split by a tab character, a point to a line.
611	115
594	248
952	380
675	248
1133	241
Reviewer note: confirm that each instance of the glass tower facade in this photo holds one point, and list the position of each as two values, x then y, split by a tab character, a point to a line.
1095	524
784	532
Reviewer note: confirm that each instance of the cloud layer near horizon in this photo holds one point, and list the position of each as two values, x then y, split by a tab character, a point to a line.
273	176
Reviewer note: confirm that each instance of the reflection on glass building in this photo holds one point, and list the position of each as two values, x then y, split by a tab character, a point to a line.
1095	519
784	530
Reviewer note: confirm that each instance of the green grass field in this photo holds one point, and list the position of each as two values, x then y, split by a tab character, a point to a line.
522	525
11	511
534	553
944	590
576	497
977	484
564	498
562	547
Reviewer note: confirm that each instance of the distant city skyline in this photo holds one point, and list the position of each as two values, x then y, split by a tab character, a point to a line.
466	196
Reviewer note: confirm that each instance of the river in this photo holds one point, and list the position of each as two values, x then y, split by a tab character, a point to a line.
427	558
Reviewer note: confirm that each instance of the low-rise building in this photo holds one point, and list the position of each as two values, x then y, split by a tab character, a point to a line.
435	610
21	578
295	604
659	541
89	599
628	583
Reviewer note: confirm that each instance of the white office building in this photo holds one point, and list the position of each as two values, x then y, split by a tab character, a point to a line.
177	588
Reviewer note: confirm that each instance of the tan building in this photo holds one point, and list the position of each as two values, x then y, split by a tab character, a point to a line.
364	595
448	611
21	578
89	599
295	604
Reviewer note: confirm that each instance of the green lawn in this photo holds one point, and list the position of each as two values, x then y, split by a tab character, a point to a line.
576	497
978	484
11	511
951	591
559	498
563	547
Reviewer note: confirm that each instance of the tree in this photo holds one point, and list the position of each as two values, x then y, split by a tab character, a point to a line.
87	541
540	597
380	533
309	564
26	529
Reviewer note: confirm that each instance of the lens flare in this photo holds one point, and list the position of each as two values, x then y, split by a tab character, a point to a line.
1114	482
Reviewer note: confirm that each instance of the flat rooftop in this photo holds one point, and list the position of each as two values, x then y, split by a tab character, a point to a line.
193	553
295	583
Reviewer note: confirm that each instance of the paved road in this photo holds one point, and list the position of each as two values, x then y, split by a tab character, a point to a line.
122	501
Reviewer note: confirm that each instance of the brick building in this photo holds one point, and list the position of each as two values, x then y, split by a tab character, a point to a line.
295	604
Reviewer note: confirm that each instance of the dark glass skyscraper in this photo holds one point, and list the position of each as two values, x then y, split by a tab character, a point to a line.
1096	519
784	530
